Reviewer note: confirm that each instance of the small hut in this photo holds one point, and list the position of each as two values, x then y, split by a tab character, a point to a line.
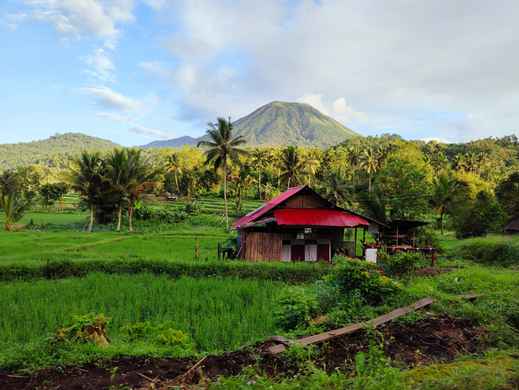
512	227
297	225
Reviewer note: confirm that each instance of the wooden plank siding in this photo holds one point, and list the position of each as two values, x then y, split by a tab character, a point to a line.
305	201
263	246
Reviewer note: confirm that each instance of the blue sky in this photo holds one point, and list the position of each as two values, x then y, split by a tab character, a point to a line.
134	71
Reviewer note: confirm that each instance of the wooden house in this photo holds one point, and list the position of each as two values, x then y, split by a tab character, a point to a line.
512	227
297	225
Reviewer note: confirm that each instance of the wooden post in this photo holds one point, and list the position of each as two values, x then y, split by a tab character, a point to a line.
364	242
355	244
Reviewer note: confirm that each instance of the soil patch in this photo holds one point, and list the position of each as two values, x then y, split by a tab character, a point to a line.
434	339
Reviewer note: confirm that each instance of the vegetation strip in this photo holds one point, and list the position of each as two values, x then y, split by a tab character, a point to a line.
321	337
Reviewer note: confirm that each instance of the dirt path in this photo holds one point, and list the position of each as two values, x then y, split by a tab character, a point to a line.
434	339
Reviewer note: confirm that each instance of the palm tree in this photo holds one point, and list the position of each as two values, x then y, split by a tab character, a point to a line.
311	165
223	147
128	174
139	175
117	174
291	165
369	161
86	178
259	159
173	166
446	192
13	201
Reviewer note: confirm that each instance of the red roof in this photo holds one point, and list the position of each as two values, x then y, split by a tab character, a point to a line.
318	217
253	215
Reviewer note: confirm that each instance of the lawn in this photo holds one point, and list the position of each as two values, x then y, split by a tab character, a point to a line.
218	314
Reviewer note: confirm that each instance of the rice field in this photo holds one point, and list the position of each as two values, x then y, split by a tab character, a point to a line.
60	236
219	314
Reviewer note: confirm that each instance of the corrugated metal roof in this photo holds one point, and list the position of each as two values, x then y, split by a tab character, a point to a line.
318	217
253	215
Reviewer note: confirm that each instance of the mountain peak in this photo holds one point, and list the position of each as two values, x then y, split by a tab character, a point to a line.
281	123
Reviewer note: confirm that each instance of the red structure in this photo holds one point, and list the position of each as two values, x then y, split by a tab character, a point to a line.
297	225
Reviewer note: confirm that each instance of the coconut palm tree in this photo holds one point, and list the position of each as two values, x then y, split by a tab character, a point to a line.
13	199
259	160
173	166
222	148
447	190
86	178
291	165
369	161
140	175
117	169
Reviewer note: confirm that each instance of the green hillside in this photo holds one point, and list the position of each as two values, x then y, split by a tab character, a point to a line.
62	145
281	123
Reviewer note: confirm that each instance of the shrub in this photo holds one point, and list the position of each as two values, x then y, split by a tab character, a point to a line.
351	276
296	307
402	263
160	215
160	334
290	273
503	252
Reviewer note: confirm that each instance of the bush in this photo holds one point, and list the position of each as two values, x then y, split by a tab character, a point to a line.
162	334
159	215
504	253
287	272
403	263
296	307
356	276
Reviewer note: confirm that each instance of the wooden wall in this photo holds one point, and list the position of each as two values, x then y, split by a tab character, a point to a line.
262	246
305	201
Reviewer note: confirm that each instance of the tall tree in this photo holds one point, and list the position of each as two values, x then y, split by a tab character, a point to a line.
140	175
507	193
117	174
259	159
86	178
447	192
174	167
370	162
14	199
222	148
291	165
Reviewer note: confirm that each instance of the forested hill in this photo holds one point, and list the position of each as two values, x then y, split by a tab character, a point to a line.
281	124
45	151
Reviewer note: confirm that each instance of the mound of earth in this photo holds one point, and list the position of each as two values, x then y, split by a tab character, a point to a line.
433	339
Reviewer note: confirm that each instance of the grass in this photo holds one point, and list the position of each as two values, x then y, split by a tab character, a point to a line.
218	314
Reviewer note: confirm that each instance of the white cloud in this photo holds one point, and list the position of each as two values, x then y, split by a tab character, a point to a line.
391	63
109	99
100	65
73	18
316	101
149	132
156	4
157	68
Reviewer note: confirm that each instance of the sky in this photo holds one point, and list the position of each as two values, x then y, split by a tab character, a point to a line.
134	71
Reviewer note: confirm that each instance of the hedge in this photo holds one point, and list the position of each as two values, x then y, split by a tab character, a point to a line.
287	272
503	253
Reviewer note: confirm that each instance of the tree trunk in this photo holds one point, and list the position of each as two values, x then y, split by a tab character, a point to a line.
259	184
288	183
91	222
369	184
176	183
130	218
225	194
119	217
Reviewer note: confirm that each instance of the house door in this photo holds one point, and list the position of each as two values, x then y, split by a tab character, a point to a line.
323	252
297	252
311	252
285	251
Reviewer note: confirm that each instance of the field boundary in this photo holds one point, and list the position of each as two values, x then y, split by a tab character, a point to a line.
289	273
349	329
